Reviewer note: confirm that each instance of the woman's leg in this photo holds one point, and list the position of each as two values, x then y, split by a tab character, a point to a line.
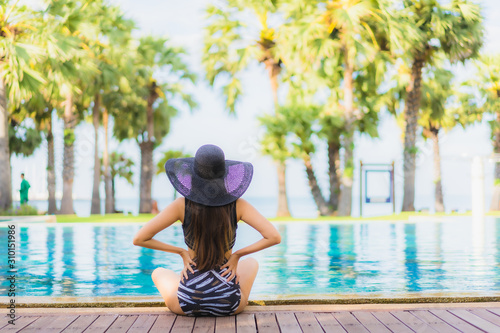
247	271
167	282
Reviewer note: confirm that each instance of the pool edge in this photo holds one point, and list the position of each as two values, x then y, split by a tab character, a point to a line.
140	301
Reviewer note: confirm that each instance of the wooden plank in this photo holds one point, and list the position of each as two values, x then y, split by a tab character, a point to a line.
245	323
81	323
494	310
266	322
454	321
308	322
225	324
183	324
163	323
50	324
416	324
143	323
371	323
20	323
287	322
475	320
121	324
204	325
349	322
391	322
5	321
328	322
483	313
433	321
101	324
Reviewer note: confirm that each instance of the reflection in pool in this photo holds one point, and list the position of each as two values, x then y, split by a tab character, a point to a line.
319	259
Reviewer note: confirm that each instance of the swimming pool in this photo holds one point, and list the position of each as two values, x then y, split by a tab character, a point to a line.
317	259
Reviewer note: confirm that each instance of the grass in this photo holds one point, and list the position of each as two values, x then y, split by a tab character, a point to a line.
22	210
108	218
404	216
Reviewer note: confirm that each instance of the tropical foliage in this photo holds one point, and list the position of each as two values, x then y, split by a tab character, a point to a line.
238	34
453	30
485	100
19	49
146	112
334	67
67	58
120	166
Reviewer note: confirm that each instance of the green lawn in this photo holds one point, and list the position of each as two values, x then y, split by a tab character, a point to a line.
146	217
104	218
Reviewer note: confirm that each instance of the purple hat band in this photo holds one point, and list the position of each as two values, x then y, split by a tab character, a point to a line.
207	178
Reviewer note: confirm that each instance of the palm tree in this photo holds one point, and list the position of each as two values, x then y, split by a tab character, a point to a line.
229	49
18	27
345	34
454	28
71	20
295	123
112	35
57	66
487	82
146	111
120	166
51	169
38	108
442	106
305	120
435	115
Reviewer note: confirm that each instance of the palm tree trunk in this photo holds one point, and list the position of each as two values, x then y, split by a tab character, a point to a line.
320	201
438	196
51	174
333	170
96	198
345	201
69	158
5	174
146	176
147	147
105	160
283	210
495	199
113	193
282	197
412	105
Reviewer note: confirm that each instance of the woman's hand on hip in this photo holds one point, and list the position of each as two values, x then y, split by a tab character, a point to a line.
186	258
231	265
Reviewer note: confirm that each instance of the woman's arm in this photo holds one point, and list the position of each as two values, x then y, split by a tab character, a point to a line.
252	217
270	235
164	219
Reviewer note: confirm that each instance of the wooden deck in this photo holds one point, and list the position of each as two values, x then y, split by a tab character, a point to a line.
371	318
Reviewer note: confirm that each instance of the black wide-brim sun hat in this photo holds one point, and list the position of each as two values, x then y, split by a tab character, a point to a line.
208	178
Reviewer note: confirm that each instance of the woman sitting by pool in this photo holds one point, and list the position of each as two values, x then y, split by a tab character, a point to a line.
214	282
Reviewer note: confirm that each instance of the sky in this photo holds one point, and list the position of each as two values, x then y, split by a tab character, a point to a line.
238	135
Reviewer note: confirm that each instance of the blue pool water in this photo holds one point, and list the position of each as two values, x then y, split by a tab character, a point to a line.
320	259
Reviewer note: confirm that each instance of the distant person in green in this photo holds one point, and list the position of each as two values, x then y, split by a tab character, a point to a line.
24	189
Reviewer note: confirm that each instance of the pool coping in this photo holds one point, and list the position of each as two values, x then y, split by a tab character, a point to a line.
29	219
344	299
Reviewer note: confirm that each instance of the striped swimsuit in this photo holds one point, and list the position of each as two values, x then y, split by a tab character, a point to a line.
208	293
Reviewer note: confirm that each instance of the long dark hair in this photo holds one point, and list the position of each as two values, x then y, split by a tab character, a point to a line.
211	230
